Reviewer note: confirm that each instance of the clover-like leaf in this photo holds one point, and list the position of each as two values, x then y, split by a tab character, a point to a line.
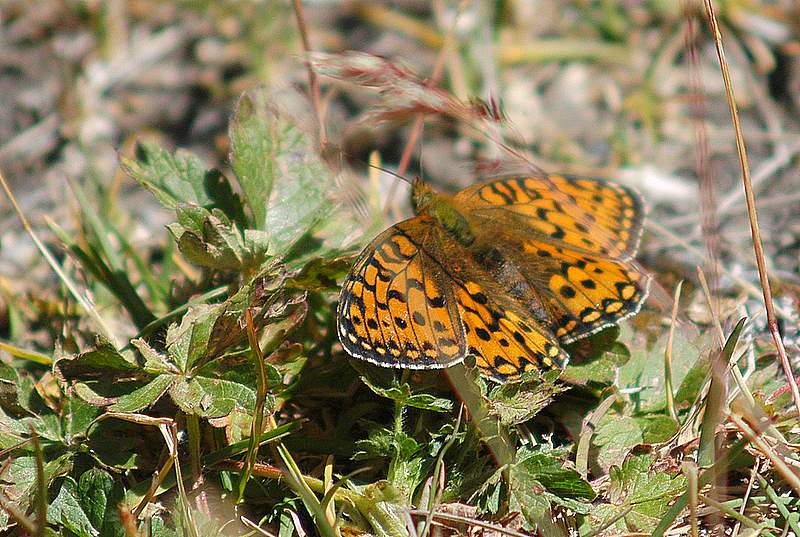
285	183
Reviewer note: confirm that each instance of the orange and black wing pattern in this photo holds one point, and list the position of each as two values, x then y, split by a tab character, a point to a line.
538	262
397	308
585	215
571	239
505	344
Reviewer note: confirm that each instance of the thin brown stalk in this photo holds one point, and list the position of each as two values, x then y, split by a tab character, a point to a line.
772	321
313	81
746	497
777	461
668	353
420	118
40	498
476	522
690	471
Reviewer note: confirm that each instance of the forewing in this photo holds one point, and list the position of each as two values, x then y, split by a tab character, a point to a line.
590	216
396	307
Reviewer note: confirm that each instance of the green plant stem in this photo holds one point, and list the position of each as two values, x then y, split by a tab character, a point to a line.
41	486
25	354
193	431
733	513
399	407
257	426
668	354
438	470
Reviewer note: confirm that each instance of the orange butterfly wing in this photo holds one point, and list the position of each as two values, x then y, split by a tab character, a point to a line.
504	344
586	215
571	240
396	306
547	261
412	300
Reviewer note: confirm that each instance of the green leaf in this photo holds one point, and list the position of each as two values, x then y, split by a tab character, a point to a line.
159	528
643	375
548	469
489	497
122	445
220	190
210	239
603	369
102	361
275	312
199	383
19	480
32	412
213	398
401	393
99	495
656	428
154	361
615	436
9	396
187	342
527	496
383	442
406	458
66	510
144	396
77	415
647	493
12	431
689	388
172	178
285	183
517	402
539	480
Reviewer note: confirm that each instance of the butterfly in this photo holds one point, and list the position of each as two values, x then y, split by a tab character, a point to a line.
508	271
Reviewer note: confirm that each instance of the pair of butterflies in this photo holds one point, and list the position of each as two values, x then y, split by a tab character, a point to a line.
508	270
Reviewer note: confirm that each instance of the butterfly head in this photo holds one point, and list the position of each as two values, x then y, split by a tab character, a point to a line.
427	201
423	197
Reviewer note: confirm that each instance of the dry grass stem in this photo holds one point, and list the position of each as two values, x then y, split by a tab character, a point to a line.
772	321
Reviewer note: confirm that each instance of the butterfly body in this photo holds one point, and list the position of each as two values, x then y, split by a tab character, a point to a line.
508	271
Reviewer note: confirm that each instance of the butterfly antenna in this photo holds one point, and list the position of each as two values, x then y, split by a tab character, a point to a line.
390	172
